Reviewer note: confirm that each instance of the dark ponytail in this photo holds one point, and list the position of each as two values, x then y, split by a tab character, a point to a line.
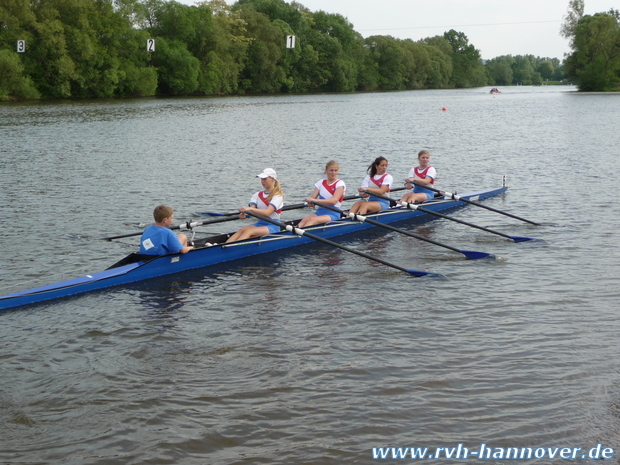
372	169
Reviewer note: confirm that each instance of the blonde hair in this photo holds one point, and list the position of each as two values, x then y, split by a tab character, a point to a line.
331	163
161	212
276	190
424	152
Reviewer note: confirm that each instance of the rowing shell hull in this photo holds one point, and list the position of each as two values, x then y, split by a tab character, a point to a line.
208	256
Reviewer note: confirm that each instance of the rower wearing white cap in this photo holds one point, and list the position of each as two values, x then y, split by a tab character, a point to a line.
268	202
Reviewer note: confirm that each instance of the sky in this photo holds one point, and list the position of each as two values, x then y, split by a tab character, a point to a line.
494	27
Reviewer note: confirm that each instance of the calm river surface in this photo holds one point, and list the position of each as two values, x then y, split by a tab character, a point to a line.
311	356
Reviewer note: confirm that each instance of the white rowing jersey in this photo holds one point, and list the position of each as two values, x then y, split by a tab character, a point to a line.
376	181
260	201
327	191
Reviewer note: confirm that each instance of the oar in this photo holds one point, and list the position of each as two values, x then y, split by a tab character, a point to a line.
284	208
478	204
186	225
301	232
226	217
294	206
471	254
441	215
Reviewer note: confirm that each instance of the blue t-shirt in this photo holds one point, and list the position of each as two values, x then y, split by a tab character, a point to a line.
157	240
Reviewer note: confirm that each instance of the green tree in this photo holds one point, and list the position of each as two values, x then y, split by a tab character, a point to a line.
440	52
137	81
192	25
340	50
209	33
390	59
546	69
467	68
277	9
574	14
90	31
48	61
558	70
523	70
306	72
136	75
262	72
417	64
320	60
500	71
109	54
595	61
13	82
177	68
16	18
227	46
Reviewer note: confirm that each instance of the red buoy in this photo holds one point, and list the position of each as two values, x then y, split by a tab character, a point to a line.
444	109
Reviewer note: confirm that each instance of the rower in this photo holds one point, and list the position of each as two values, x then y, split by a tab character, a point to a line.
329	191
268	203
423	175
158	239
377	182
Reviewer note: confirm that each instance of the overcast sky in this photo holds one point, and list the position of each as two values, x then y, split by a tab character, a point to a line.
494	27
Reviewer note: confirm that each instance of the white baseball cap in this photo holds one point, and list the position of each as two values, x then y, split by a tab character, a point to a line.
268	173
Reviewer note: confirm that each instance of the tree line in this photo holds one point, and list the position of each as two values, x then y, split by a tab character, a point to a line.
98	48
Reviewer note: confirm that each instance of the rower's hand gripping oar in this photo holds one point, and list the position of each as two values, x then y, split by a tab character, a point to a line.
477	204
471	254
413	206
302	232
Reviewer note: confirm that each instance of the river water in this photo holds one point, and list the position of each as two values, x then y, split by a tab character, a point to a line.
311	356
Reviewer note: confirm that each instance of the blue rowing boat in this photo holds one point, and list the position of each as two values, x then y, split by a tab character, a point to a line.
213	250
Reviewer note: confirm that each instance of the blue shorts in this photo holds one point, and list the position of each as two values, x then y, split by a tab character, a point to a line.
324	211
271	227
385	204
420	190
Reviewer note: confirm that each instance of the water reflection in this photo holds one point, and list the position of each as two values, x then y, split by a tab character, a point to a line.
220	365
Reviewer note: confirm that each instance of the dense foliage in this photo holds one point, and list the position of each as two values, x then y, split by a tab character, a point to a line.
98	48
524	70
595	40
